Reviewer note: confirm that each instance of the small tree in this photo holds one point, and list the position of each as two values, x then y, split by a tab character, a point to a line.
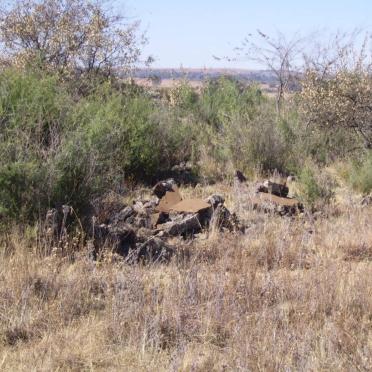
337	89
71	37
280	55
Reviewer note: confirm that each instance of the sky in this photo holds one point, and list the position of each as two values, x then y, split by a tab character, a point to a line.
189	33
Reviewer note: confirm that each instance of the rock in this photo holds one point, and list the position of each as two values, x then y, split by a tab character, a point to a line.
276	204
181	225
170	199
367	200
162	187
144	234
121	216
215	200
222	218
277	189
273	188
151	204
119	239
141	221
154	250
240	176
182	167
190	206
139	208
51	222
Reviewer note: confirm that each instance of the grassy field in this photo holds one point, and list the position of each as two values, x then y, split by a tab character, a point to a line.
290	294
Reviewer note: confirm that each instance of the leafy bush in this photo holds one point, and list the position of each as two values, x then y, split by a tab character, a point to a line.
21	190
339	101
360	174
316	188
33	113
258	142
224	98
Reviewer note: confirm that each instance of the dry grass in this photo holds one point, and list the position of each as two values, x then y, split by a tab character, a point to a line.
291	294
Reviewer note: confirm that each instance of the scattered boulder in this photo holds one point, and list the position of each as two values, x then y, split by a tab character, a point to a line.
240	176
158	218
163	186
154	249
169	199
122	216
143	234
276	204
142	230
273	188
190	206
215	200
119	239
367	200
182	225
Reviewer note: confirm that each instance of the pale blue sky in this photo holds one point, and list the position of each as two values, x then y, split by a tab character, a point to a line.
191	32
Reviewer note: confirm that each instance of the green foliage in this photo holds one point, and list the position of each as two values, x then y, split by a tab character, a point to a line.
360	174
258	142
315	187
183	96
59	147
21	191
339	101
224	98
32	113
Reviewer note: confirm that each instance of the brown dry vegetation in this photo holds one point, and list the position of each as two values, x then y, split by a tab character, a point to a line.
290	294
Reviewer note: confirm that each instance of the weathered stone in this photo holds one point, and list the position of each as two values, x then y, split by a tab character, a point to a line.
144	234
122	216
163	186
215	200
51	222
151	204
222	218
158	218
277	189
142	221
273	203
170	199
120	240
240	176
273	188
190	206
139	208
367	200
182	225
154	250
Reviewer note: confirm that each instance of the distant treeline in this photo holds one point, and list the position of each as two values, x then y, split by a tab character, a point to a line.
259	76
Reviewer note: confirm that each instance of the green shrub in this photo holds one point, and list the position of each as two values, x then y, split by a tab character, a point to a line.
316	188
22	190
258	142
360	174
32	112
224	98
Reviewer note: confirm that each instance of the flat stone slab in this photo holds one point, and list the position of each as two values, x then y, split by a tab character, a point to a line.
170	199
270	198
190	206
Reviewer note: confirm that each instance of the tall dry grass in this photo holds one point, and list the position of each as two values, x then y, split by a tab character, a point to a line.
290	294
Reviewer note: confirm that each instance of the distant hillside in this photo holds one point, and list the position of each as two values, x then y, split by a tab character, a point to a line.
259	76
